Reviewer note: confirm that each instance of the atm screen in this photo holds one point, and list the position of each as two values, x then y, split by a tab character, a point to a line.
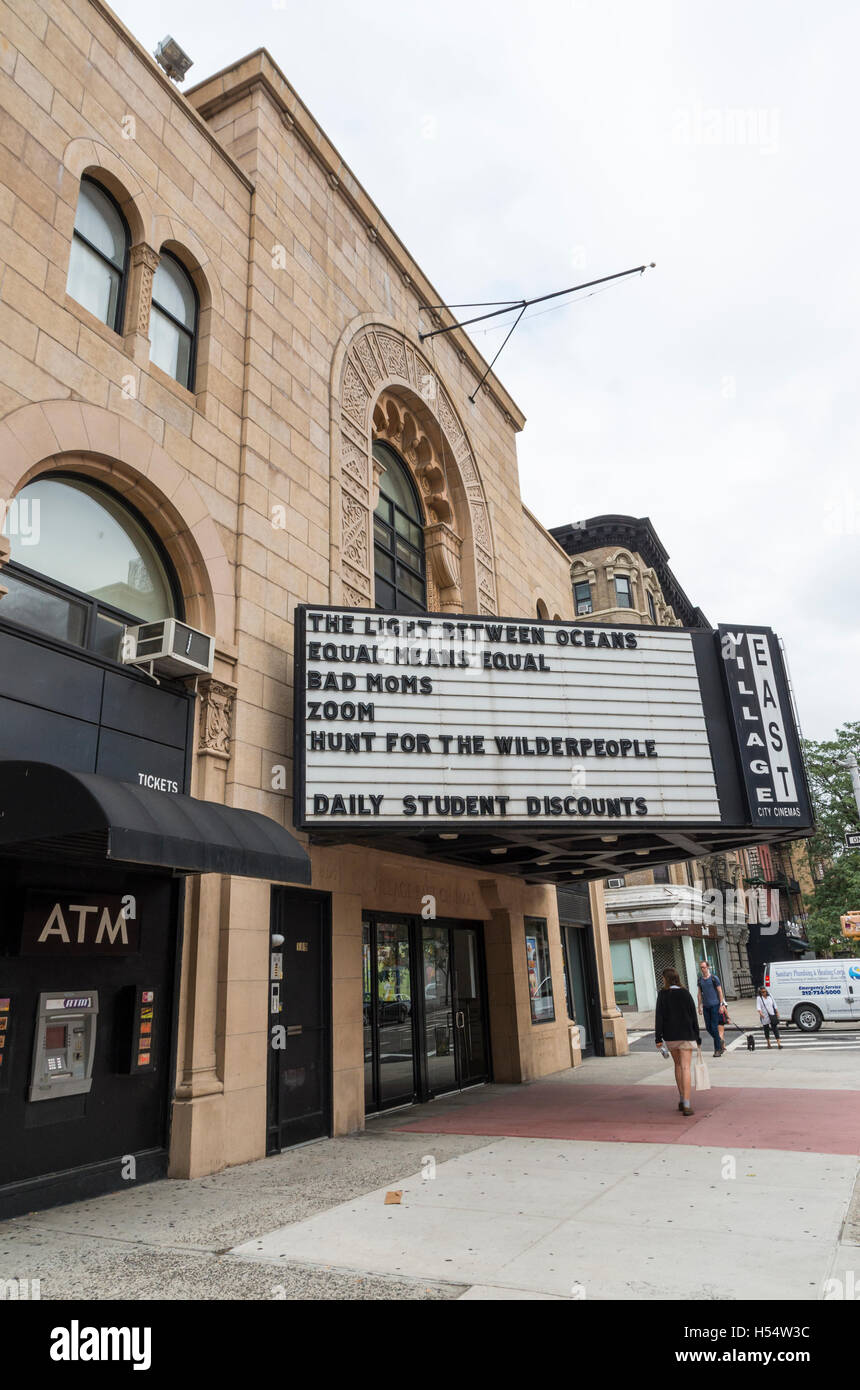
55	1035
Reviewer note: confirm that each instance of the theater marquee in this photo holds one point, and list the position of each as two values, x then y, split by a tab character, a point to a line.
560	748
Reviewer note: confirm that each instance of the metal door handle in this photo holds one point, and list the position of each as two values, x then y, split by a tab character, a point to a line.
460	1019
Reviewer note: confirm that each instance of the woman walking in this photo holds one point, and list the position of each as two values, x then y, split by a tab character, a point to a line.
769	1015
676	1022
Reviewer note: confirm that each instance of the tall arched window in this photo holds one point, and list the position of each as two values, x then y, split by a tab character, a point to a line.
398	533
173	321
98	262
83	565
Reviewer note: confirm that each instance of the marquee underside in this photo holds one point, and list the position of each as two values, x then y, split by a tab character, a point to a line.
569	857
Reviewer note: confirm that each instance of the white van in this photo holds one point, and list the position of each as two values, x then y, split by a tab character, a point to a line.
808	992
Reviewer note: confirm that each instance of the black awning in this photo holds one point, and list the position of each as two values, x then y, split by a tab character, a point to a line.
45	807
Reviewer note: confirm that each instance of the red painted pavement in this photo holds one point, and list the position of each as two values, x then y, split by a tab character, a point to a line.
748	1117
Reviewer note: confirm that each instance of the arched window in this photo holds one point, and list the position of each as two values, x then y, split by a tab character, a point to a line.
399	563
82	565
173	321
98	262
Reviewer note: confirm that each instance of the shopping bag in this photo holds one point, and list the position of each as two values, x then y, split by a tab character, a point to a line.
701	1075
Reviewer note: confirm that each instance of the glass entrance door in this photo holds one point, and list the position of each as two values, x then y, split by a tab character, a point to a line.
439	1027
389	1050
425	1027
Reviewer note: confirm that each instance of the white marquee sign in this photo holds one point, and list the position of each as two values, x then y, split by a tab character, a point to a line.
474	723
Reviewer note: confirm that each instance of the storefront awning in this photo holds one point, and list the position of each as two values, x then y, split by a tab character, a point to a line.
46	810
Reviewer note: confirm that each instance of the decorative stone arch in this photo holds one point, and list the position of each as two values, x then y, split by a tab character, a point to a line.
582	569
622	561
383	386
90	157
100	444
170	234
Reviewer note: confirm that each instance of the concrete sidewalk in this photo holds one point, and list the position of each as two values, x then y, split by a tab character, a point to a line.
534	1218
627	1200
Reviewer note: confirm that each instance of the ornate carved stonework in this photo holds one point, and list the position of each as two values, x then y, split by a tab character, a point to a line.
394	355
144	263
431	439
216	717
443	547
355	394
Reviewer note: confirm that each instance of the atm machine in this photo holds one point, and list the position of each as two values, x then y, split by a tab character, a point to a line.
64	1045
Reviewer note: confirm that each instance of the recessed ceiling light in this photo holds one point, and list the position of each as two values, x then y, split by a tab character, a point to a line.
449	837
502	850
641	851
609	839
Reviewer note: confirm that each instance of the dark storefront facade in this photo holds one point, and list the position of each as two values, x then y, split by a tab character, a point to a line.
97	835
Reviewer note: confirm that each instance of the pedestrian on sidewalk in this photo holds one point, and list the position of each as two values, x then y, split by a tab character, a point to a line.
769	1015
675	1021
711	1001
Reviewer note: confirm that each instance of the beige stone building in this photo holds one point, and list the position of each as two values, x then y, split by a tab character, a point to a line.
214	394
228	416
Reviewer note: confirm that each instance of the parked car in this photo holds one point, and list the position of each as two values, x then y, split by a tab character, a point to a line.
811	992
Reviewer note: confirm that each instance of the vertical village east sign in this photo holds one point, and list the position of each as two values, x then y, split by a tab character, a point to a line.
548	749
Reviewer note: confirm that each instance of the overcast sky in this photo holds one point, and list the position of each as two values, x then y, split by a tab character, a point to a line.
517	149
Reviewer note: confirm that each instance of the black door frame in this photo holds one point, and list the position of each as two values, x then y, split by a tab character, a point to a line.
590	985
281	895
422	1091
592	997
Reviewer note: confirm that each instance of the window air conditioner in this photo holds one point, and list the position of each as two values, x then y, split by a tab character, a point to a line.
168	648
615	883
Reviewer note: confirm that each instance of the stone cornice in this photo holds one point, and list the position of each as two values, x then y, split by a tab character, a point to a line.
258	71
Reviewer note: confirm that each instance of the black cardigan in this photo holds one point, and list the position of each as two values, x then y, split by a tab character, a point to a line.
676	1017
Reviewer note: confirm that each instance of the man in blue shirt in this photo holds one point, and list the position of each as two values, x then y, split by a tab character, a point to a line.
710	1001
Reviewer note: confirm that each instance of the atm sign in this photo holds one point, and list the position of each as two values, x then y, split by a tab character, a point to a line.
79	924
